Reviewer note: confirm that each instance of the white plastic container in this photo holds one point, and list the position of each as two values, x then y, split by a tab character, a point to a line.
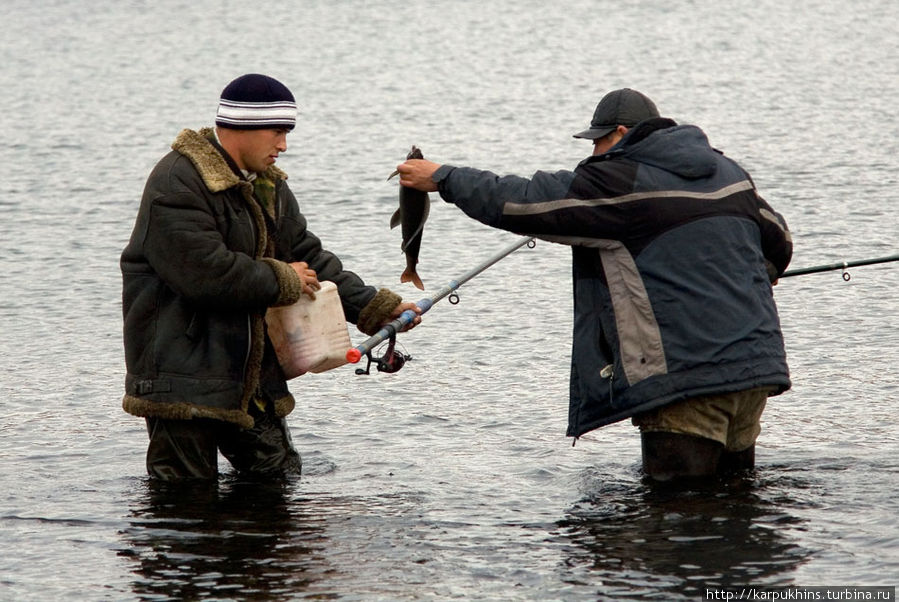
310	335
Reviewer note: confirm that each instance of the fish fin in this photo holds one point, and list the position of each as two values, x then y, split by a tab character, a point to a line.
413	277
396	219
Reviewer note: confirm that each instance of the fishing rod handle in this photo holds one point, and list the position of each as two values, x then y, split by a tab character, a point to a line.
355	354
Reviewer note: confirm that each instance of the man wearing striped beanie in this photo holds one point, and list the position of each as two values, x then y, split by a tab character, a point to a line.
218	239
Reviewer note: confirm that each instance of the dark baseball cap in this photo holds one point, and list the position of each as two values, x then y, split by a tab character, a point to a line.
620	107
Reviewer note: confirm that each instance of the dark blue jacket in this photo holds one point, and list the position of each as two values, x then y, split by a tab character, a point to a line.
673	254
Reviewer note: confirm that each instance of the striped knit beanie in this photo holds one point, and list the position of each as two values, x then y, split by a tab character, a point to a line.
256	102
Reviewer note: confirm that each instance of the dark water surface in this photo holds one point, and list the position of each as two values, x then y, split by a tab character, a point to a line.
452	478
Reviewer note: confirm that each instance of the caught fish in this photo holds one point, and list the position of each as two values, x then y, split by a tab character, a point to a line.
412	214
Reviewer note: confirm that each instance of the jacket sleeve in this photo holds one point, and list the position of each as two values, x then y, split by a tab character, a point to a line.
357	298
483	195
183	244
777	243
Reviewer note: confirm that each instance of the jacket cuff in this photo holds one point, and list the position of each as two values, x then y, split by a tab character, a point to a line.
441	173
378	311
773	273
289	283
439	177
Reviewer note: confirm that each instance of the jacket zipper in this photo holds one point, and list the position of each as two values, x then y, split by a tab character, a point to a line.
246	359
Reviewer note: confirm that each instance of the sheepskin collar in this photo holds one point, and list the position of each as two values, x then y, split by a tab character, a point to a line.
209	162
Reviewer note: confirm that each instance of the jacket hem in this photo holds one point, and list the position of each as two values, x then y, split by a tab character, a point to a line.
144	408
284	406
779	384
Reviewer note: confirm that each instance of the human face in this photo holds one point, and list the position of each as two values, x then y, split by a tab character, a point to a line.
257	150
602	145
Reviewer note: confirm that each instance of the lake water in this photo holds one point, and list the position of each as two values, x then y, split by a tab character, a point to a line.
451	479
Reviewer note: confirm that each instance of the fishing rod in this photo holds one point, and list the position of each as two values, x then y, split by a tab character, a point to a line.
392	360
843	265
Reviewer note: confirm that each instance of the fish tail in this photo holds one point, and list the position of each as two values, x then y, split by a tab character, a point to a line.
410	275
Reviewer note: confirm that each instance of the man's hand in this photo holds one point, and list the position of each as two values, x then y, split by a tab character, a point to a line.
399	309
416	173
307	277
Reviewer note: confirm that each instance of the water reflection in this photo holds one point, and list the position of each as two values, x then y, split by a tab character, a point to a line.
634	539
236	538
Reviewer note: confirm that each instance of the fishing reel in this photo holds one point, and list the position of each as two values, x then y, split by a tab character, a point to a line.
390	361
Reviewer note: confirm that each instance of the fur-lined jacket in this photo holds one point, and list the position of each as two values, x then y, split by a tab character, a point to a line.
208	255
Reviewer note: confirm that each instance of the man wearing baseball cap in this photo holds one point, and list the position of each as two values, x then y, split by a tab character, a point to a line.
624	107
674	255
218	239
